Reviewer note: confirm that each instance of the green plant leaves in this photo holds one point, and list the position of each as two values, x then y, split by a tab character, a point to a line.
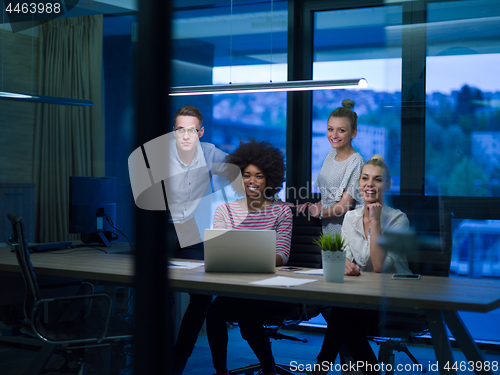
331	242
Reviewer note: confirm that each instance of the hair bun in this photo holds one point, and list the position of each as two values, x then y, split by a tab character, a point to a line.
377	157
347	103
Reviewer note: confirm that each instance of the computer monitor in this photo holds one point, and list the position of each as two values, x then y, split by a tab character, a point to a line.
92	200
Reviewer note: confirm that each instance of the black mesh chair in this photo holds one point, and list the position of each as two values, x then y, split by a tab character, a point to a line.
426	256
303	253
79	321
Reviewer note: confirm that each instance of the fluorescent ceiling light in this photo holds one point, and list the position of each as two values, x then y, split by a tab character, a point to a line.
268	87
44	99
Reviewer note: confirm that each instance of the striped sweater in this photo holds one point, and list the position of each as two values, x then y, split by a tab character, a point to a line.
276	217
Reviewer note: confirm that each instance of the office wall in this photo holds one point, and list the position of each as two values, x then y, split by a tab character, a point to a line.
17	119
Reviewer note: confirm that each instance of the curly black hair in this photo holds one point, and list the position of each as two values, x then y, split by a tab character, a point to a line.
268	158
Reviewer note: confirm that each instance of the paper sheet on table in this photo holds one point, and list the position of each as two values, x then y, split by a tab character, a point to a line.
316	272
283	281
184	265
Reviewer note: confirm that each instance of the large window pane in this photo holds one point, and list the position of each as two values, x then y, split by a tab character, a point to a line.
462	129
239	44
220	45
360	43
476	249
462	99
239	117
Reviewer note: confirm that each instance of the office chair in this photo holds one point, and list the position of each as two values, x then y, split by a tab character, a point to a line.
393	332
429	257
303	253
76	322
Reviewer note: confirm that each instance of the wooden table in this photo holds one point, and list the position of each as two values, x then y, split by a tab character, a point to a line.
93	263
439	297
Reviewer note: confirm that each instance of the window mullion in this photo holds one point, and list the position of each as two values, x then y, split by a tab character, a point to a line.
414	48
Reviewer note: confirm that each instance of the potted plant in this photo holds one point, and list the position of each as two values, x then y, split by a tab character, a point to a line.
333	256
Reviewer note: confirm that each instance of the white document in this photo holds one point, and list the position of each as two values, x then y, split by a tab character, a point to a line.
283	281
316	272
184	265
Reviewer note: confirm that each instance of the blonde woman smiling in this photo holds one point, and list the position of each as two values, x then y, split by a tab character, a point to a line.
338	177
362	229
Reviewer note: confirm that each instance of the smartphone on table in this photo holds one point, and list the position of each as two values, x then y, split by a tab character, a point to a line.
401	276
291	268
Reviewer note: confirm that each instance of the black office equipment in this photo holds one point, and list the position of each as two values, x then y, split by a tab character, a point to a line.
92	204
77	325
303	253
402	276
49	246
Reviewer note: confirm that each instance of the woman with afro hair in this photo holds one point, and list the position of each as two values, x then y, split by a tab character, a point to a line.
263	173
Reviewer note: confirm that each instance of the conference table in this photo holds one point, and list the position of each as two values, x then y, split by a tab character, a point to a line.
439	297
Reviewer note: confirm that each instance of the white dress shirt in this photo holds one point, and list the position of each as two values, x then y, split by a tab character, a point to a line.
186	184
358	246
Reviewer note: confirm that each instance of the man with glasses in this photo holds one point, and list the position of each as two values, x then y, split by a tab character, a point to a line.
191	165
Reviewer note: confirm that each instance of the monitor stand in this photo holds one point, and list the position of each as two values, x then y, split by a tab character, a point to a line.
104	239
97	239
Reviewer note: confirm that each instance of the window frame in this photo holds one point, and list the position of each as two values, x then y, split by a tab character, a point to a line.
300	51
413	98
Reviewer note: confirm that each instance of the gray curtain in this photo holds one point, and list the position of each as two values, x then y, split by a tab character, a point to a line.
68	141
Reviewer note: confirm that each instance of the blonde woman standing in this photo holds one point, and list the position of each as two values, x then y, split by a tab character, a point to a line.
339	175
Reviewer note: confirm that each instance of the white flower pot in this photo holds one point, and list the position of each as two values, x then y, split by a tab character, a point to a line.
333	266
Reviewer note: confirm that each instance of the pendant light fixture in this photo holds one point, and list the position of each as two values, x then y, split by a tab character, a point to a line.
305	85
268	87
44	99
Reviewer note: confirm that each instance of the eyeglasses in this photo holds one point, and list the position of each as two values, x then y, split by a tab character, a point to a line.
181	131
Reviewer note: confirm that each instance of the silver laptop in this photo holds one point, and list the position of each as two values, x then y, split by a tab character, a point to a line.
230	250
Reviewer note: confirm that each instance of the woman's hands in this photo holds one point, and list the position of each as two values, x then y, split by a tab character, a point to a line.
374	212
314	208
377	254
351	269
301	208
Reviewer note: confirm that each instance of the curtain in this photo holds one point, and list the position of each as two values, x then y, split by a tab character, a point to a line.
68	140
